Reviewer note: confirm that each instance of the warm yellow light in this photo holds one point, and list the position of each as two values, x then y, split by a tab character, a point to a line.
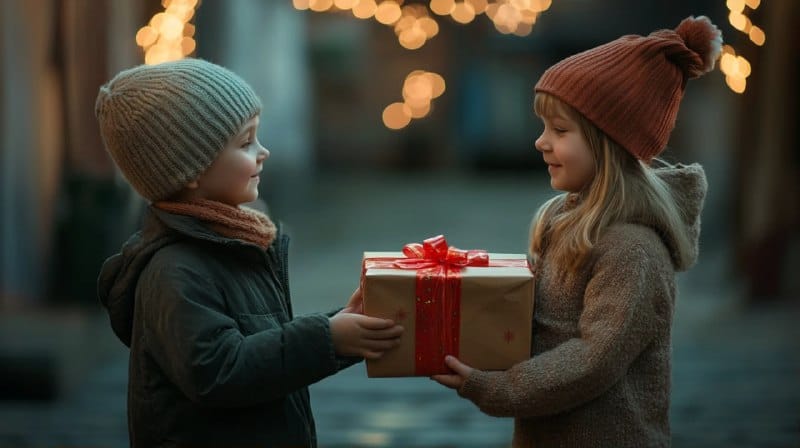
187	46
301	5
429	26
171	27
146	36
727	63
520	4
757	35
155	21
479	6
365	9
188	30
156	54
507	18
736	84
463	12
388	12
753	4
540	5
442	7
320	5
417	90
415	10
405	23
419	111
737	20
437	84
735	5
182	11
523	29
412	38
528	17
345	4
728	49
396	116
491	10
742	66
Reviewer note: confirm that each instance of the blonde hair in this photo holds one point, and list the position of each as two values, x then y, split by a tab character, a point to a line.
623	189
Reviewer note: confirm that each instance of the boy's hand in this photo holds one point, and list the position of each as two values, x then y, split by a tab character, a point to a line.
455	381
355	304
359	335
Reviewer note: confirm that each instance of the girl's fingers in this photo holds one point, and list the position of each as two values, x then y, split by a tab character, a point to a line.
457	366
451	381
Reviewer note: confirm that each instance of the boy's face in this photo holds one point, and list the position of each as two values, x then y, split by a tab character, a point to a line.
566	152
234	175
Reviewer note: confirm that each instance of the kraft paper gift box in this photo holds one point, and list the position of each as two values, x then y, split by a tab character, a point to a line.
474	305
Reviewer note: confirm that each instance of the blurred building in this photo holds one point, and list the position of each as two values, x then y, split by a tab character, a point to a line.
326	78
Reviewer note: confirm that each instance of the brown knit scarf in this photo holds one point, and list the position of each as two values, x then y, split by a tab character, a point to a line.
233	222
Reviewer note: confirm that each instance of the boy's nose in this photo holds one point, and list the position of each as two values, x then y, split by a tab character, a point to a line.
263	154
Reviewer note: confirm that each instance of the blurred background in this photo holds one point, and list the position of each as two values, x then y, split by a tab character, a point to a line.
389	123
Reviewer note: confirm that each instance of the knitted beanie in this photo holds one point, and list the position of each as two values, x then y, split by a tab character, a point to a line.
631	88
165	124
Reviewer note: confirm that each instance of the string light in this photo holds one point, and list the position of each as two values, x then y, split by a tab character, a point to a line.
419	89
735	67
414	26
169	36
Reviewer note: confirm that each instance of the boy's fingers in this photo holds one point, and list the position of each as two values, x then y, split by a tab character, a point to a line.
375	323
381	345
389	333
369	354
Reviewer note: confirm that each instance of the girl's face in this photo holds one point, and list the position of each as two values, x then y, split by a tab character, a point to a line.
234	175
566	152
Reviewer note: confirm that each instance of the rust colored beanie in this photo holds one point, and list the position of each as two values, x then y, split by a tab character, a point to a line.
631	88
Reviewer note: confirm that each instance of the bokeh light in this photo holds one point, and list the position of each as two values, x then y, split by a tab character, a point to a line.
169	36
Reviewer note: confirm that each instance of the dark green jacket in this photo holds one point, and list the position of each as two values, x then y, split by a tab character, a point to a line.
216	356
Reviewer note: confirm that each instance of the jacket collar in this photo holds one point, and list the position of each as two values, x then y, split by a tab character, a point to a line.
157	220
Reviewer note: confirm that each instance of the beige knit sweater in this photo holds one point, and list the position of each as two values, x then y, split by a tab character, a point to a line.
600	371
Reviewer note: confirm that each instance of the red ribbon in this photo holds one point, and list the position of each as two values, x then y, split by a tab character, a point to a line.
438	296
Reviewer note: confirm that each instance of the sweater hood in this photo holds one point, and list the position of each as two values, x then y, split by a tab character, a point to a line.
688	186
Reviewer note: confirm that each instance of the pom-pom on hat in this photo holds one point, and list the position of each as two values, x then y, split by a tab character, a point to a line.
165	124
631	88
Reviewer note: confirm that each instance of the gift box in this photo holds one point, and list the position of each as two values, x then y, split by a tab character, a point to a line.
474	305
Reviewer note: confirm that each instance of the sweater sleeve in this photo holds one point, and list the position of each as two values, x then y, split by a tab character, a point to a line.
202	350
618	321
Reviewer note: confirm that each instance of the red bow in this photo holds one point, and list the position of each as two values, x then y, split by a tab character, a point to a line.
435	251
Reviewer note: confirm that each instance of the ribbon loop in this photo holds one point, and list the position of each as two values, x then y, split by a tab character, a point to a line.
435	250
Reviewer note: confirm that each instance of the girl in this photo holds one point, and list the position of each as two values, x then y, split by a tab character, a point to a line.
606	251
201	294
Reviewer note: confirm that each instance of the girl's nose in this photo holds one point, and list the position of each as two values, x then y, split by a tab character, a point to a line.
539	144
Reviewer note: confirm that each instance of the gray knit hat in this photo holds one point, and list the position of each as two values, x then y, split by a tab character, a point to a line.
165	124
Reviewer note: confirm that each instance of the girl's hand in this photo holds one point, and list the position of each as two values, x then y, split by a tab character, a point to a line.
454	381
355	304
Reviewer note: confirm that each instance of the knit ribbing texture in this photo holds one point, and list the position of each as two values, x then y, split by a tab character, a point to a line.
631	88
164	124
